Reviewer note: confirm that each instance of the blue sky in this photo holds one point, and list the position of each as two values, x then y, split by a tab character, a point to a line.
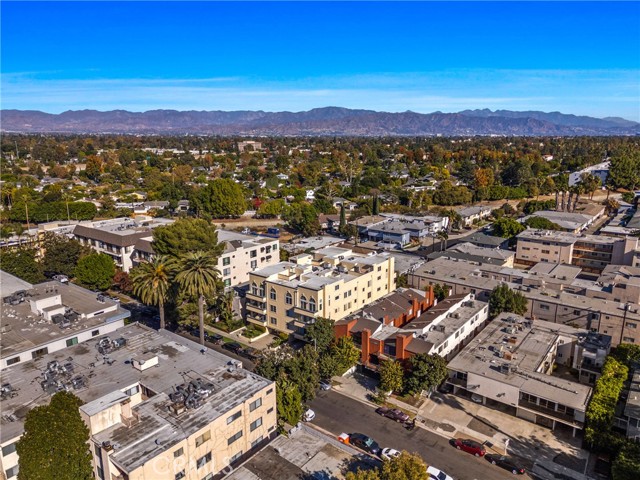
575	57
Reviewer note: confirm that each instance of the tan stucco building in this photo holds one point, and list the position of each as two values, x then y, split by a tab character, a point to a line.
332	282
158	407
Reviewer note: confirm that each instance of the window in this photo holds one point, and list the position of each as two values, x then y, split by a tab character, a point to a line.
273	308
303	302
270	410
256	442
576	312
95	333
204	437
256	424
226	272
178	453
40	352
288	299
255	404
208	476
180	475
253	254
337	287
132	391
274	320
254	264
7	449
227	282
11	472
226	261
628	340
632	325
13	361
235	457
272	294
544	307
312	305
202	461
237	436
233	417
254	289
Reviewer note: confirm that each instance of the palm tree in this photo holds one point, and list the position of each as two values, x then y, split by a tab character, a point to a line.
152	281
198	276
443	235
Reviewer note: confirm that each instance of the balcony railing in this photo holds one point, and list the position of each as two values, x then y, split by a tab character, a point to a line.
258	295
256	308
561	416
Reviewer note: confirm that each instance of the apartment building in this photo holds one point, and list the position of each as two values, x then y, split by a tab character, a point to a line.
469	251
510	365
118	237
592	253
442	328
619	283
244	254
572	222
332	282
51	316
471	215
157	407
552	296
629	419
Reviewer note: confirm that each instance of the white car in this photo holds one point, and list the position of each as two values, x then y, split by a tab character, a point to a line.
389	453
325	384
435	474
308	415
476	398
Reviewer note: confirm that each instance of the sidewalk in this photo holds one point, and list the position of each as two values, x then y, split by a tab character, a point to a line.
548	455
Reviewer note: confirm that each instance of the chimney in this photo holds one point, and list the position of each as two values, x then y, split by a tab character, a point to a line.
366	335
344	330
402	342
430	296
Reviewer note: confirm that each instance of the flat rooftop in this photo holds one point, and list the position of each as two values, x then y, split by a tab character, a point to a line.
303	454
565	220
106	378
529	342
23	329
564	237
10	284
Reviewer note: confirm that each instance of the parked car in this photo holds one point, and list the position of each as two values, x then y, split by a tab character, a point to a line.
234	347
308	415
61	278
364	442
475	398
389	453
470	446
215	338
325	384
393	414
508	463
251	353
435	474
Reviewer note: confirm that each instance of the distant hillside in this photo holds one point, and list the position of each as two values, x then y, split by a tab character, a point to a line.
319	121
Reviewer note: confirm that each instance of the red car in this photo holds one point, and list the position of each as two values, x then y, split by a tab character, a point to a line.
470	446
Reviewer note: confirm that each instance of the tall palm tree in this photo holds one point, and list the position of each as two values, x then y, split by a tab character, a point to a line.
443	236
152	281
197	276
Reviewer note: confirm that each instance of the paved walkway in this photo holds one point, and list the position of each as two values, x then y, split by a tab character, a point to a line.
260	344
550	454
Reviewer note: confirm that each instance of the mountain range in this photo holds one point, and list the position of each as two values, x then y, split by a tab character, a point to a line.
328	121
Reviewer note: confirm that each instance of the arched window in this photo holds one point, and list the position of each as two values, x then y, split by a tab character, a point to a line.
303	302
254	288
288	299
312	305
272	294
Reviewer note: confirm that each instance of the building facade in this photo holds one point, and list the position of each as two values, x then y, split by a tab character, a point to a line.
332	283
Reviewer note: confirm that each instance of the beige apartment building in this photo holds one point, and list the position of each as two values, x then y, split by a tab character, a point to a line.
332	282
592	253
158	407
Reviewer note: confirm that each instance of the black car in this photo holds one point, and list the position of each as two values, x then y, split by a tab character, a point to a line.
364	442
234	347
251	353
214	338
508	463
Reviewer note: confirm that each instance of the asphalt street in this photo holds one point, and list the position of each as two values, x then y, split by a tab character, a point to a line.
337	413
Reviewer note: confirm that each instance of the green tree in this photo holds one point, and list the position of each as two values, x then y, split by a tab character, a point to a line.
361	474
626	466
304	218
221	198
346	353
55	443
426	373
186	235
96	271
198	276
440	292
506	228
627	353
375	209
391	376
406	466
152	282
590	182
288	401
503	299
320	334
61	254
302	370
271	209
541	223
343	220
625	169
22	263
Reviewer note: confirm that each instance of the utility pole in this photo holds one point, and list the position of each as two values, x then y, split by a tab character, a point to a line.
624	321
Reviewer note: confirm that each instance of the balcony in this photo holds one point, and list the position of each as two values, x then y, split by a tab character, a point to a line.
256	308
304	311
559	416
258	296
255	318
